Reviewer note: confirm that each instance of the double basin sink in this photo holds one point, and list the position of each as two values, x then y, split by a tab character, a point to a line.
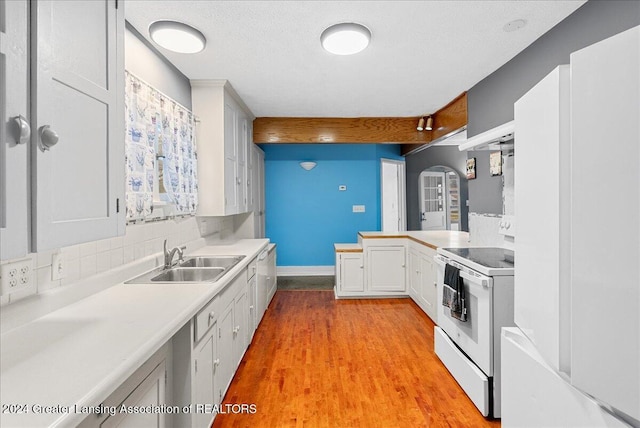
191	269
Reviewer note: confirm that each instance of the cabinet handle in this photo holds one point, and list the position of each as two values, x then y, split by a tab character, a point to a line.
212	315
216	362
48	138
250	306
24	130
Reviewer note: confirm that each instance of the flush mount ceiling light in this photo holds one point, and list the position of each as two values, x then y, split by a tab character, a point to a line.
177	37
308	165
347	38
425	125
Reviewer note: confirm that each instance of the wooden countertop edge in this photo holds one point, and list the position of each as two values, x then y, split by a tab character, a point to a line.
419	241
435	247
349	250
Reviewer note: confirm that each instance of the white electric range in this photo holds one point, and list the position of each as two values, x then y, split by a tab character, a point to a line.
471	349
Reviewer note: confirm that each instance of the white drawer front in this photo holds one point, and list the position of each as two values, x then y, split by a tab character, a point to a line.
470	377
206	318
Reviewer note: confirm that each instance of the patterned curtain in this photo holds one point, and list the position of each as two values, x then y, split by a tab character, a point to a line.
160	136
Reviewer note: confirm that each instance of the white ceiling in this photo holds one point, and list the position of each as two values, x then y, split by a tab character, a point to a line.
422	53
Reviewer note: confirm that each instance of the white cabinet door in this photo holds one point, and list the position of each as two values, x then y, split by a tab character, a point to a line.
386	268
204	377
151	392
415	275
241	179
257	190
605	235
541	274
78	96
14	191
226	368
428	294
253	308
230	157
240	329
350	273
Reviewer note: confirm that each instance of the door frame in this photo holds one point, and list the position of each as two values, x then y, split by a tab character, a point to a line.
401	189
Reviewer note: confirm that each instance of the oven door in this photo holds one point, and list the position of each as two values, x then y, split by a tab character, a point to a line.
473	336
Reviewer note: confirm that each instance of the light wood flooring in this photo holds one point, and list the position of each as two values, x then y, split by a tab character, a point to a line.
320	362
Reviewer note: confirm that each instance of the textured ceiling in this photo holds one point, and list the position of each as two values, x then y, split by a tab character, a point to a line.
422	53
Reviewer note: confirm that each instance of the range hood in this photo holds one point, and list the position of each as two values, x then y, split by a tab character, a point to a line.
498	138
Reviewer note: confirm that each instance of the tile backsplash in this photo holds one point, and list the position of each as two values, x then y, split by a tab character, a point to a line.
140	240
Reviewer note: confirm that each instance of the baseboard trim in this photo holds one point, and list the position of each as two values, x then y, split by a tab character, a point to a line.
306	270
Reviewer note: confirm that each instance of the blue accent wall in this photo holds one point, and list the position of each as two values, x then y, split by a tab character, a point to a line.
306	213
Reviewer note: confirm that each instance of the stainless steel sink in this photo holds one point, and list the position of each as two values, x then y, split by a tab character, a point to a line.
192	269
189	275
211	261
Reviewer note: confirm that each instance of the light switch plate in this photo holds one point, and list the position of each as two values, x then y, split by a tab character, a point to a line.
358	208
57	267
342	187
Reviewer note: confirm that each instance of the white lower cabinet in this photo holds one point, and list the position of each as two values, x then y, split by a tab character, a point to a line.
240	325
385	267
207	352
374	268
146	387
422	278
204	380
349	273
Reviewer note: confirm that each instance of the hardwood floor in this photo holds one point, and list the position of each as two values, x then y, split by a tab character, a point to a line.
320	362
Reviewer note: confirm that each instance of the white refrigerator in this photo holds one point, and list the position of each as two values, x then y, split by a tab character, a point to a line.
574	358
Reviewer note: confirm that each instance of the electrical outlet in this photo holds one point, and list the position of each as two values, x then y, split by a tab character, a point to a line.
57	267
358	208
17	276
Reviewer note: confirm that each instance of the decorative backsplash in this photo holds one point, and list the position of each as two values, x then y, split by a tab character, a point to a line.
160	142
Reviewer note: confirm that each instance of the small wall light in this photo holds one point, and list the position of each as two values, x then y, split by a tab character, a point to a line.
425	125
308	165
177	37
429	125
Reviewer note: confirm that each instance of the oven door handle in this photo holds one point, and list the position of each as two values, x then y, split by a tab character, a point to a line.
475	280
440	260
478	280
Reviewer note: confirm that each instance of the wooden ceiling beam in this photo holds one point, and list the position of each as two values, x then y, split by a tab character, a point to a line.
392	130
449	118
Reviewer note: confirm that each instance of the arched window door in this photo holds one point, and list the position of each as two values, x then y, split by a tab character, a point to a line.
439	197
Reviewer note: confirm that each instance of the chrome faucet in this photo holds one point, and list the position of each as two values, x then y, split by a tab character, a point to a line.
168	255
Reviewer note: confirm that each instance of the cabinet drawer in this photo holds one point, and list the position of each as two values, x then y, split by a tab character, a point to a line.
252	268
206	318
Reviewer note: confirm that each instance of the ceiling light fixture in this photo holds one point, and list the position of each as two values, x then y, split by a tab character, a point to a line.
308	165
425	125
347	38
177	37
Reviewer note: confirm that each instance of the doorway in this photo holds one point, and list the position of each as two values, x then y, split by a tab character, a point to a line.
393	182
439	197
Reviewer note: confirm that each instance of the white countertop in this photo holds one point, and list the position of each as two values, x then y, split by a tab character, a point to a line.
80	353
431	238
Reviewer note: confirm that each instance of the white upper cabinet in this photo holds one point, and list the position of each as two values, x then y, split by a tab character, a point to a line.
223	139
605	225
14	190
78	145
542	277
